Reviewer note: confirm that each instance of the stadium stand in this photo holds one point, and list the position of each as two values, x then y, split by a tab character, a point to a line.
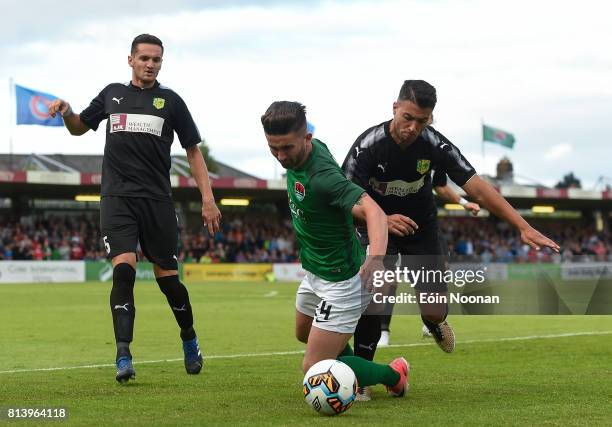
40	218
252	238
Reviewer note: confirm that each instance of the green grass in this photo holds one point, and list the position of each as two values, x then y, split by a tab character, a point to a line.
551	381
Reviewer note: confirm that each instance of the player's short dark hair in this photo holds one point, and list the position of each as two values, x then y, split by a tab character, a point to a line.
148	39
419	92
284	117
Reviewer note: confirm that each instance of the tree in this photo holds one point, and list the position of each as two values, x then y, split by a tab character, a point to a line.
569	181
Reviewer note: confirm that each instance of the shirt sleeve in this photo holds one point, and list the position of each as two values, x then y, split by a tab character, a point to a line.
357	165
184	126
439	178
451	160
334	188
95	112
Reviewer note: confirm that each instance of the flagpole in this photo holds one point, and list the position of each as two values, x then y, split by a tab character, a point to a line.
11	120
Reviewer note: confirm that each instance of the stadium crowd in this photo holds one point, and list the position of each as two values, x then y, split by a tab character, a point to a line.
252	240
490	241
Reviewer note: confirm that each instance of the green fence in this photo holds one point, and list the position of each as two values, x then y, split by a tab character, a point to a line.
102	271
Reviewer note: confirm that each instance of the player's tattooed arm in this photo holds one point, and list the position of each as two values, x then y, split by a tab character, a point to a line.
358	216
367	211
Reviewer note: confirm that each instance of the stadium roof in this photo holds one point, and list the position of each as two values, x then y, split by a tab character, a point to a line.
87	163
61	175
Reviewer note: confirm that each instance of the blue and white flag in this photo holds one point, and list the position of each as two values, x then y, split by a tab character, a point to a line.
32	108
310	128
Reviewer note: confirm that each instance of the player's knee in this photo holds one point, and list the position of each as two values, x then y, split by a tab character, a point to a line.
172	286
307	364
301	336
124	275
302	331
125	258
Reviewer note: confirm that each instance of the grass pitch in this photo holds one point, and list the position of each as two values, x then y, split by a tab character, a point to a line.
506	370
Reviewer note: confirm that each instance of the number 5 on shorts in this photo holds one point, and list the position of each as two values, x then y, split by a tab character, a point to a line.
106	244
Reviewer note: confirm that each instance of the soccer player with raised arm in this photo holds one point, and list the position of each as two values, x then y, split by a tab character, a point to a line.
323	203
392	162
440	185
136	205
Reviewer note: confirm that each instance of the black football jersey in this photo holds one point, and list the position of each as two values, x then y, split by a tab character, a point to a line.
399	180
139	132
438	178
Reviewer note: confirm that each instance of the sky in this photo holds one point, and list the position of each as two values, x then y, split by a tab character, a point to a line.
541	70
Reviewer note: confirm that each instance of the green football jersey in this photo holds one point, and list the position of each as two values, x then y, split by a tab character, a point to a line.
321	199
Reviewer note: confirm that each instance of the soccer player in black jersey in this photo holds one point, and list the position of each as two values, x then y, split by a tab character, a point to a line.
440	185
392	162
136	204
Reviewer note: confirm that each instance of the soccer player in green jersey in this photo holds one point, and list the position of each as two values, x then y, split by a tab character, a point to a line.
323	203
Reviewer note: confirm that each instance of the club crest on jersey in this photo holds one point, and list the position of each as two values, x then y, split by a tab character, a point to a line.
422	166
299	190
159	103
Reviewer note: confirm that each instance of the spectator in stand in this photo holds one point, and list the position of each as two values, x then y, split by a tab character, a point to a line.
76	252
246	238
64	250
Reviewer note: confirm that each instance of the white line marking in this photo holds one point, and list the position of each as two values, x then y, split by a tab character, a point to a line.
294	352
271	294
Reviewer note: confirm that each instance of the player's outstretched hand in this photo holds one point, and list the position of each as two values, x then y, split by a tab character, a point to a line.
58	106
211	216
366	272
536	240
401	225
473	208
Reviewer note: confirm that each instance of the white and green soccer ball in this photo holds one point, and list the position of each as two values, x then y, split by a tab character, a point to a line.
330	387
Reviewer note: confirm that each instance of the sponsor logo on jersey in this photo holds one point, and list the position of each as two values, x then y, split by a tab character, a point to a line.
398	187
296	212
159	103
299	190
142	123
422	166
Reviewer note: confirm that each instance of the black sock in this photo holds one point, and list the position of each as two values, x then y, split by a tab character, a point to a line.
385	319
123	350
430	325
366	336
385	322
178	299
188	334
122	303
347	351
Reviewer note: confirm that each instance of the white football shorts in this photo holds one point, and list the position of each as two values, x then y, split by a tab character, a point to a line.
334	306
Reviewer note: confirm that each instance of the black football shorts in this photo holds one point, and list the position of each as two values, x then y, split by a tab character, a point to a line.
126	221
423	251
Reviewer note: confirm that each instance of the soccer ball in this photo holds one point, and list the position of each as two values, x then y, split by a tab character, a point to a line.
330	387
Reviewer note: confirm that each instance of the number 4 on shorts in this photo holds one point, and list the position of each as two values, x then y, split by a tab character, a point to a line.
324	310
